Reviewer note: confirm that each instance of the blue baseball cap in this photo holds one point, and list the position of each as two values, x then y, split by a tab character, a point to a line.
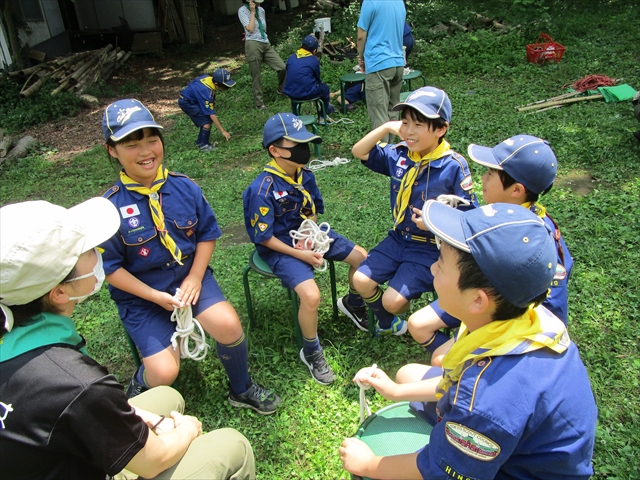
124	117
431	102
513	247
310	42
224	77
287	125
527	159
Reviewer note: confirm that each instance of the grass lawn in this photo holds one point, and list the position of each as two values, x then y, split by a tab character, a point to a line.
595	202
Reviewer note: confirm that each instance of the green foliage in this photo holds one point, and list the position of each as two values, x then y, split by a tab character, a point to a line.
101	89
18	113
486	76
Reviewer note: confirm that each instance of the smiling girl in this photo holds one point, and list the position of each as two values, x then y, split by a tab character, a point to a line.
166	237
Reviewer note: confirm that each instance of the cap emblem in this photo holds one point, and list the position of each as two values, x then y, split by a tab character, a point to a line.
488	210
297	124
509	142
125	113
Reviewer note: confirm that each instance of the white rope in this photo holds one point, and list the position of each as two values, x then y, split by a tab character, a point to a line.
453	200
313	238
363	374
185	331
315	165
344	120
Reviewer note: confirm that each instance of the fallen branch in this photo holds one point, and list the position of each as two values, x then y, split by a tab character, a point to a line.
553	99
5	145
21	149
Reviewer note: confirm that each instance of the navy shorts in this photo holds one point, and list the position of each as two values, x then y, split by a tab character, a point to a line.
427	410
292	272
354	92
449	321
150	325
404	263
194	113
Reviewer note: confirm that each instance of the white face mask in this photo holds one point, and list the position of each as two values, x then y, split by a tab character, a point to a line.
97	272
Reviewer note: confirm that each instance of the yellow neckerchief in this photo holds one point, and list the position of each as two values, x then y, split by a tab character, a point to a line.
303	52
156	207
273	168
404	192
533	331
536	208
208	82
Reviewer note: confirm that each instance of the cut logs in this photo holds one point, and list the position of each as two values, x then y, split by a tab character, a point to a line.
21	149
75	72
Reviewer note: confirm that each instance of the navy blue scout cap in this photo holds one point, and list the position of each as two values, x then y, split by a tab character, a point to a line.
287	125
512	246
310	42
430	102
528	160
224	77
124	117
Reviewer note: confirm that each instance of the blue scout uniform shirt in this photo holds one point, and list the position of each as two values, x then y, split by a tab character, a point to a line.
303	76
136	246
558	301
272	207
515	417
201	91
447	175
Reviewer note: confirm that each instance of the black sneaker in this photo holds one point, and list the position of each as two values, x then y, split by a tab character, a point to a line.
256	398
135	388
318	366
358	315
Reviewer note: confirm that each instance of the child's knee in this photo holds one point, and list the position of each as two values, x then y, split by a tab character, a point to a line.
309	296
161	373
394	303
362	283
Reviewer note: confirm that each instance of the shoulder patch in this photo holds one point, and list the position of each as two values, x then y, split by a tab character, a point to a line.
263	226
467	183
264	211
113	190
561	272
471	442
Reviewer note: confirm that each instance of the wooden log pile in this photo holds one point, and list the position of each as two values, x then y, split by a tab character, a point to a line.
75	72
179	21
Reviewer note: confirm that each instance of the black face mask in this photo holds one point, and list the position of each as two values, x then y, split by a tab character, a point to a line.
300	154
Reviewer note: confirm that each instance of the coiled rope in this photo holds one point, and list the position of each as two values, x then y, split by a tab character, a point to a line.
315	165
310	236
592	82
185	331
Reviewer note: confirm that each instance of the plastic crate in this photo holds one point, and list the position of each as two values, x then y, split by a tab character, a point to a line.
544	50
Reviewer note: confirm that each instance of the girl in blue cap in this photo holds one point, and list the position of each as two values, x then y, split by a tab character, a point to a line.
166	237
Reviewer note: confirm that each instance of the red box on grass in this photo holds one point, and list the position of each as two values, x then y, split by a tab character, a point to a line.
544	50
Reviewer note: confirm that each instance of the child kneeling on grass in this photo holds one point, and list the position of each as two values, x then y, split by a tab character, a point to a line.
198	101
519	170
277	202
166	237
422	167
513	398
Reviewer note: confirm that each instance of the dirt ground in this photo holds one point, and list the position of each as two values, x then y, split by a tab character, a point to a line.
160	78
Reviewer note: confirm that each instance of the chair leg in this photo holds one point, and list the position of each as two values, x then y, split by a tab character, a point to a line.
334	292
247	297
343	103
133	348
324	114
295	306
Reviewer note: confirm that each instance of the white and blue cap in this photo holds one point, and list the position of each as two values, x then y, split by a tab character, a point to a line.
124	117
310	42
513	247
527	159
287	125
224	77
431	102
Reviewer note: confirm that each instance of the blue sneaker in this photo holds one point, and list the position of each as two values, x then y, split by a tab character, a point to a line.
398	327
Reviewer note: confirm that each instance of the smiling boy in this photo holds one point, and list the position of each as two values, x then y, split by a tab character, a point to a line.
421	167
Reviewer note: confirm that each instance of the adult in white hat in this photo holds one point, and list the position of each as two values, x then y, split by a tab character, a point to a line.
61	414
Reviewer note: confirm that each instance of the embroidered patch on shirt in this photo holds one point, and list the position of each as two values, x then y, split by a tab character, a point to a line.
264	211
452	472
189	232
134	222
144	252
263	226
471	442
253	222
402	163
467	183
129	210
279	195
561	272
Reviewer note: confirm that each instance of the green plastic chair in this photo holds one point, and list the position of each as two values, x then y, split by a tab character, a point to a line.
259	266
321	111
310	121
133	348
412	75
394	430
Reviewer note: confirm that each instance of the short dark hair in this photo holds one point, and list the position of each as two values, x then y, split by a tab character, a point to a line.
136	135
507	180
472	277
22	313
416	116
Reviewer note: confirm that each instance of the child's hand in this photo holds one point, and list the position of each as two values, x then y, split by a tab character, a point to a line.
355	456
226	134
394	127
166	301
417	219
312	258
190	289
378	380
252	7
